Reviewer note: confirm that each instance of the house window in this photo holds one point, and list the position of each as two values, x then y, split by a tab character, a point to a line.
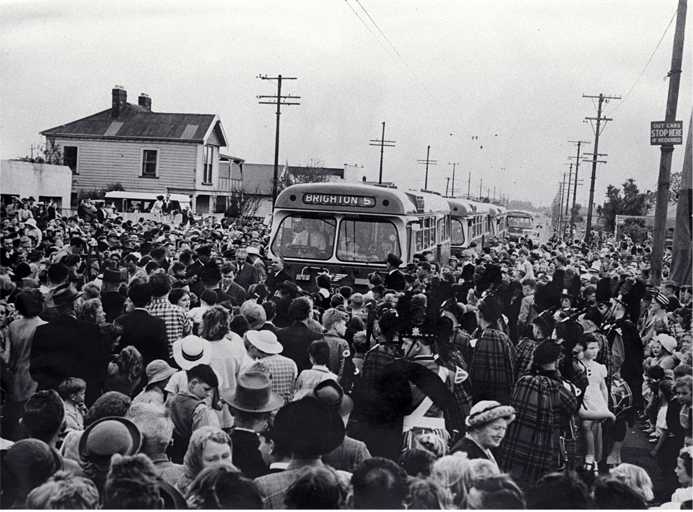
70	158
149	163
209	159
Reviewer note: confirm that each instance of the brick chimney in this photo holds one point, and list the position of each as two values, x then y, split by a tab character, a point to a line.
120	98
145	101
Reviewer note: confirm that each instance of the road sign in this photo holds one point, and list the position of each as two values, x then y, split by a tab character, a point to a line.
666	132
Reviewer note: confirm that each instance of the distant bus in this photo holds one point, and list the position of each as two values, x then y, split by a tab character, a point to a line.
472	221
348	229
519	221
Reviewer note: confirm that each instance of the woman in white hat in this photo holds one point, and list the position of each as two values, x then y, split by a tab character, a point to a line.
486	426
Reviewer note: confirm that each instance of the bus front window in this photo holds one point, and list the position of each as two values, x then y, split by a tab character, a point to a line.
457	232
367	241
305	237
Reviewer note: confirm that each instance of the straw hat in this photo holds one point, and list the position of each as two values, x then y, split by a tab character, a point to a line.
191	351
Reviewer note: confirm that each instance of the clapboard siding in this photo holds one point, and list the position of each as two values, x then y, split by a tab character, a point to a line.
101	163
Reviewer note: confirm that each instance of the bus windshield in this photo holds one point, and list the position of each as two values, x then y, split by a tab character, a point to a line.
520	222
363	240
457	232
304	236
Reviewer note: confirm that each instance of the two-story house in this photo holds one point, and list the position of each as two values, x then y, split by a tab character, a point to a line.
146	151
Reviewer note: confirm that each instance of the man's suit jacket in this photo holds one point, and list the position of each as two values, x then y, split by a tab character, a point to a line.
145	332
295	339
237	294
246	276
67	347
395	281
273	280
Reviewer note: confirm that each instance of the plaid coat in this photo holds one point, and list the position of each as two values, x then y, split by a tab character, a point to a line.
605	357
543	407
491	371
523	356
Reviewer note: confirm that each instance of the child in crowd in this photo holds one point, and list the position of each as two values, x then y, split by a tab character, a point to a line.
188	408
72	391
207	300
595	406
650	392
666	392
319	354
360	345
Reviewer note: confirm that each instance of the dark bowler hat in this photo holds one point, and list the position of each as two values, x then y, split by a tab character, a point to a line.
63	294
254	394
332	394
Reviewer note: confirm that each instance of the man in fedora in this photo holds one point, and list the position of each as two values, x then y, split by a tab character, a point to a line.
67	347
111	298
395	278
264	347
308	429
251	405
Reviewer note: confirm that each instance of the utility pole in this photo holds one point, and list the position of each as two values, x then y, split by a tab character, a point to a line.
494	194
447	185
567	195
577	166
599	119
560	210
481	183
278	101
383	144
667	150
427	161
452	191
469	184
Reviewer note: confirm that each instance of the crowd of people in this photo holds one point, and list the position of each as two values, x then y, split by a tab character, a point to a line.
149	365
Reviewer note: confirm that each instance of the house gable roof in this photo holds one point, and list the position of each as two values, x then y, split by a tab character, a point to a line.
137	122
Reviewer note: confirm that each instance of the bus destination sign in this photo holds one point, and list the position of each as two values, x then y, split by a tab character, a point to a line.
339	200
666	132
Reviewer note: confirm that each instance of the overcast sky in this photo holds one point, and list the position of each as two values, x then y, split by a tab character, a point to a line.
439	73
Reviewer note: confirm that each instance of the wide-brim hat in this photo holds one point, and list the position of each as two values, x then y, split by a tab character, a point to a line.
266	341
191	351
63	294
309	428
668	342
486	411
108	436
253	250
31	222
394	260
332	394
158	370
254	394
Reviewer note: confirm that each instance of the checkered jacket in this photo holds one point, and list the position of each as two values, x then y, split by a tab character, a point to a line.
177	325
283	373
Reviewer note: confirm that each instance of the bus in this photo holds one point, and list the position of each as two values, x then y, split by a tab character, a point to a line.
472	221
499	224
347	230
518	222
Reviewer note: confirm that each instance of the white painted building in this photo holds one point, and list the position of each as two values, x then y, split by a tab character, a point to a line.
42	181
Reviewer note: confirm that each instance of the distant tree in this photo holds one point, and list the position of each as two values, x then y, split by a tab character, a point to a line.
575	210
514	204
49	153
242	204
630	202
99	193
674	186
315	172
636	229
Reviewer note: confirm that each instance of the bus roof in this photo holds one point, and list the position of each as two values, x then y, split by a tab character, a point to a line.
145	196
520	213
359	198
460	207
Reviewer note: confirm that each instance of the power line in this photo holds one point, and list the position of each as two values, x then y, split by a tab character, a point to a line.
646	65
